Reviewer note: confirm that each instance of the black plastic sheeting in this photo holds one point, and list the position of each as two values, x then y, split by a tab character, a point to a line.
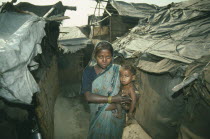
179	32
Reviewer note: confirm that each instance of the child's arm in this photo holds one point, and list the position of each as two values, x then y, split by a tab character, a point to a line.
133	102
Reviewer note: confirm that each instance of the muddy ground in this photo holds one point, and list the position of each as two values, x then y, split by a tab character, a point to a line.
72	120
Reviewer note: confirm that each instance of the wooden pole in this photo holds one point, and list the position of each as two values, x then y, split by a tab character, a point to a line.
49	12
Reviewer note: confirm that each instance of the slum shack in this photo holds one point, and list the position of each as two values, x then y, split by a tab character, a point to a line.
172	54
75	51
28	69
118	18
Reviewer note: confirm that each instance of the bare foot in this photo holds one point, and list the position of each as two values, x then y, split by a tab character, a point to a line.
129	122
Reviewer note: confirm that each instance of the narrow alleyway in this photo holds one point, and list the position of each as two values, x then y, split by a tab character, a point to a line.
71	118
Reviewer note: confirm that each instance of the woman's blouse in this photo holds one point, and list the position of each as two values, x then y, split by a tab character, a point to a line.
89	75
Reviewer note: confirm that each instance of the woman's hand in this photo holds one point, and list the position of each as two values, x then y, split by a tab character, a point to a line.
122	99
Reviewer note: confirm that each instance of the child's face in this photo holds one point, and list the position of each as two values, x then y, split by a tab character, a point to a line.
103	58
126	77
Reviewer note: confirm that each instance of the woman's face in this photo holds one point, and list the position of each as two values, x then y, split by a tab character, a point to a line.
103	58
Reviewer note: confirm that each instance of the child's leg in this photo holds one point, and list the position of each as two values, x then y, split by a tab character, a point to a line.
126	107
137	97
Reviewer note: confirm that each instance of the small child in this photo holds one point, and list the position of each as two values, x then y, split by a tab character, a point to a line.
127	76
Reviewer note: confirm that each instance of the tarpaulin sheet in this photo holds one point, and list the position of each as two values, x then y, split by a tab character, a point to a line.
161	67
140	10
20	39
71	39
179	32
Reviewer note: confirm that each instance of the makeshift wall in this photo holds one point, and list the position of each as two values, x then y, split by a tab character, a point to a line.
113	27
182	115
15	118
156	113
119	25
43	67
71	66
179	32
196	122
70	72
49	88
14	121
100	32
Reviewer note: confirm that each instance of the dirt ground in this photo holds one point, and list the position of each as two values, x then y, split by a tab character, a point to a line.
134	131
72	120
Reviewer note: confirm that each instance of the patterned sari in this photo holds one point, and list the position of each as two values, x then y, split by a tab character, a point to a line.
103	125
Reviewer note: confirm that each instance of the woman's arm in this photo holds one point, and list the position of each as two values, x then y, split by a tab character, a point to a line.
95	98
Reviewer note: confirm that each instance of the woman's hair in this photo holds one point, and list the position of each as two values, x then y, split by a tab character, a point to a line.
130	68
104	45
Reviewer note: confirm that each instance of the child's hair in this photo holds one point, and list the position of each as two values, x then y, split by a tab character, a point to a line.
130	68
104	45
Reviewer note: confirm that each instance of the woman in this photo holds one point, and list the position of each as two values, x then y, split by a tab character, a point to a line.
100	86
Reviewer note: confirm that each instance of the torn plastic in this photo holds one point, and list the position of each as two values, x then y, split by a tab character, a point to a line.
21	36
